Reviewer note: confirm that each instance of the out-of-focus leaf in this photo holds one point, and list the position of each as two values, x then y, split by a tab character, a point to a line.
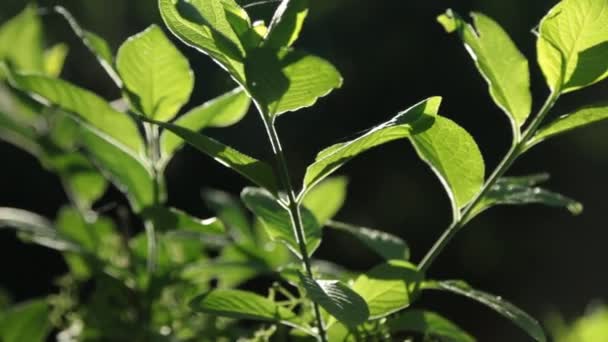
384	244
389	287
157	77
230	211
27	321
428	323
222	111
506	309
171	219
327	198
337	299
411	121
277	220
287	23
54	59
502	65
21	41
593	326
573	44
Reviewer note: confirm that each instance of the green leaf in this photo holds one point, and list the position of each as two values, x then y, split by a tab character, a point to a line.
337	299
327	199
27	321
289	80
85	105
171	219
97	45
277	220
573	44
239	304
230	211
19	134
503	66
21	41
222	111
580	118
411	121
389	287
256	171
428	323
157	77
515	191
506	309
287	23
454	156
203	25
386	245
54	59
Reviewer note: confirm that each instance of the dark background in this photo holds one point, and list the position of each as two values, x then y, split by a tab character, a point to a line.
392	54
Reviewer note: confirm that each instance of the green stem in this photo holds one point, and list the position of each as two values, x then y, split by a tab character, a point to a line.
294	211
153	145
517	149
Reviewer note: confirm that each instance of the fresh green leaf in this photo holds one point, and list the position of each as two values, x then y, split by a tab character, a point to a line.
454	156
230	211
21	41
411	121
171	219
593	326
573	44
256	171
54	59
389	287
278	222
502	65
289	80
506	309
325	200
97	45
384	244
243	305
202	24
157	77
222	111
85	105
580	118
337	299
287	23
428	323
27	321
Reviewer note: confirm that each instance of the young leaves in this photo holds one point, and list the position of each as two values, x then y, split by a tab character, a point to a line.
278	221
157	77
506	309
455	157
27	321
389	287
386	245
428	323
21	41
573	44
503	66
412	121
337	299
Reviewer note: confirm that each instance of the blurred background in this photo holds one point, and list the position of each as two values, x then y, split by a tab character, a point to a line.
392	54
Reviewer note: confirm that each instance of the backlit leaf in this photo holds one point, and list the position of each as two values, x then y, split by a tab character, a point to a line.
54	59
384	244
428	323
21	41
325	200
171	219
27	321
287	23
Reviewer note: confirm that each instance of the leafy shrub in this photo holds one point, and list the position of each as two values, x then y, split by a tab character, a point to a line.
180	279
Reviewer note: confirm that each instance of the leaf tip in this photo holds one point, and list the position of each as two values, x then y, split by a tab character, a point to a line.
449	21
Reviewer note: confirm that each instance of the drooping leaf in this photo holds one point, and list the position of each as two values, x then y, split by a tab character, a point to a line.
428	323
202	24
97	45
85	105
580	118
503	66
278	222
243	305
506	309
411	121
288	80
454	156
337	299
27	321
171	219
573	44
256	171
384	244
157	77
515	191
222	111
389	287
327	199
21	41
287	23
54	59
